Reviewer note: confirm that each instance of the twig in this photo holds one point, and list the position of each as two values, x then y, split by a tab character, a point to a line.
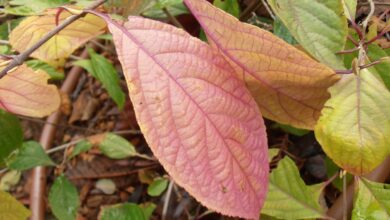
75	127
265	3
376	3
170	16
345	214
4	42
19	59
67	145
167	199
348	51
113	175
370	14
353	40
249	9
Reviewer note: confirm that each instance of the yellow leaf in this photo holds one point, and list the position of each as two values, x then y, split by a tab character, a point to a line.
25	92
354	126
59	47
11	209
288	85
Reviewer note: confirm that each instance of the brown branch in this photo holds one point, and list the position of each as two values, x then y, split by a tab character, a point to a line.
38	186
19	59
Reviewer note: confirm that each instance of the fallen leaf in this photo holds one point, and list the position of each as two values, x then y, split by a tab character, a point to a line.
354	126
196	115
25	92
63	44
288	85
107	186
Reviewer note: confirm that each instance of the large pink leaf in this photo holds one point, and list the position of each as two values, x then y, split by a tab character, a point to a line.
289	86
198	118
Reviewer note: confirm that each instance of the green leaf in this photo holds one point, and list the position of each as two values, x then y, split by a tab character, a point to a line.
371	201
19	10
12	209
7	26
230	6
272	153
289	197
281	31
127	211
116	147
105	37
64	199
148	209
292	130
30	155
175	7
348	57
5	49
40	65
158	186
355	123
374	53
11	134
37	6
350	8
101	68
81	147
319	26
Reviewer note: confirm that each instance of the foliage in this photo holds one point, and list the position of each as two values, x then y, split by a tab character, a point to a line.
11	209
351	102
157	187
64	199
116	147
11	135
55	50
100	68
372	201
319	26
127	211
264	61
30	155
200	105
26	92
288	196
230	137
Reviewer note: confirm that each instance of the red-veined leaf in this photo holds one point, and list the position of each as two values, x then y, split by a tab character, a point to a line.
197	116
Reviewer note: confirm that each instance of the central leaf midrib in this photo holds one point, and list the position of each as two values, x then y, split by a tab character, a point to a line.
132	38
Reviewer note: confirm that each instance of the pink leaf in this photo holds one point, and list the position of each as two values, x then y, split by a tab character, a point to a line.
198	118
26	92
